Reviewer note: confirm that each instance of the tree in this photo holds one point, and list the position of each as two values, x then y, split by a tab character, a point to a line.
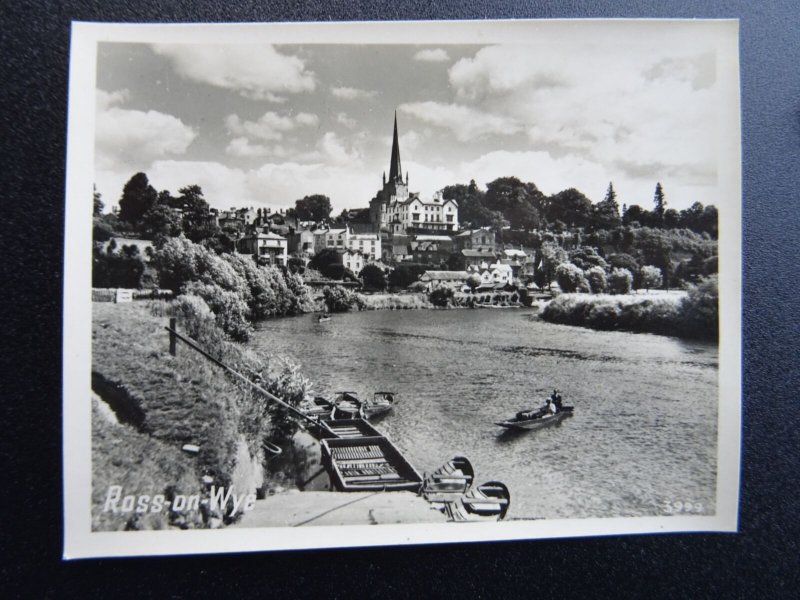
699	310
98	206
596	276
586	257
160	221
373	277
619	281
650	277
474	282
659	205
313	208
405	274
197	222
570	278
635	214
606	212
138	196
549	256
323	258
519	203
571	207
621	260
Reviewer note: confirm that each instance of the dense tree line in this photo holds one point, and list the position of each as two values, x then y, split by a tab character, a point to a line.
509	202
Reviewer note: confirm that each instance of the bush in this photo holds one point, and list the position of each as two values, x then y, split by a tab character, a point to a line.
603	315
619	281
373	277
230	310
650	277
570	278
596	277
441	296
116	270
699	310
339	299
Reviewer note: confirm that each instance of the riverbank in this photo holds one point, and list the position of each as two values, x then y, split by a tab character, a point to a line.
693	314
183	425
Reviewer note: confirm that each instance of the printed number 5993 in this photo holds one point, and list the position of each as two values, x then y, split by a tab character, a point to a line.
679	507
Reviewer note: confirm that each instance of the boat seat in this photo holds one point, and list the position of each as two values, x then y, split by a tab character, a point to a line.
485	501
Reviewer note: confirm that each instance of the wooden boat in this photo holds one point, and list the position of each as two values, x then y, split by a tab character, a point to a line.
381	403
351	428
449	482
368	464
324	318
484	305
536	419
317	407
487	502
347	406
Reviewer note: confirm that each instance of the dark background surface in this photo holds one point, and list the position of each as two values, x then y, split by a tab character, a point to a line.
761	561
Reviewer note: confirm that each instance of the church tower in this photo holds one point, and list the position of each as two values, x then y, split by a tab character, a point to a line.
395	189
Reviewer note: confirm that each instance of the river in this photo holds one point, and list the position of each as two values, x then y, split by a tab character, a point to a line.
643	437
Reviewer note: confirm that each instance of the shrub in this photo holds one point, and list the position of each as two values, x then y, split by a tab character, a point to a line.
116	270
619	281
231	312
441	296
603	315
596	277
699	310
570	278
650	277
339	299
373	277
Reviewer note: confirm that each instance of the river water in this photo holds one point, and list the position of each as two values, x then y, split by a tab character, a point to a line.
643	436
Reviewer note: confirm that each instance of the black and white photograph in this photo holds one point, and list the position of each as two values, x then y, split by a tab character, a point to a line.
396	283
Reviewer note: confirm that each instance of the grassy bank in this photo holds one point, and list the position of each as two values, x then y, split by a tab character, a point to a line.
395	301
693	315
172	401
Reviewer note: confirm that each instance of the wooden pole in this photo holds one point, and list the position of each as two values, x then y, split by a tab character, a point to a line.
173	341
245	380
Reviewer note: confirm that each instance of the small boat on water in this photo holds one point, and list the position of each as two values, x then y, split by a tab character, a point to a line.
485	305
536	419
350	429
368	464
324	318
487	502
448	483
349	406
317	407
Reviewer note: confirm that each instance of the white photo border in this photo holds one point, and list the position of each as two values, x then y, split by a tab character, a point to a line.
79	539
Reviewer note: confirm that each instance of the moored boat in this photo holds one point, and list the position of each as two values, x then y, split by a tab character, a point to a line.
536	419
317	407
449	482
324	318
380	404
368	464
487	502
347	405
351	428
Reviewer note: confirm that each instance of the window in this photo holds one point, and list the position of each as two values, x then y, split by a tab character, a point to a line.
415	216
449	218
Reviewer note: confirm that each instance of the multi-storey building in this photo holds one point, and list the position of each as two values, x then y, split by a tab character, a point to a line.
394	210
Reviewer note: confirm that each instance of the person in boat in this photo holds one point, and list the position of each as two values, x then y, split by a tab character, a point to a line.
550	409
556	398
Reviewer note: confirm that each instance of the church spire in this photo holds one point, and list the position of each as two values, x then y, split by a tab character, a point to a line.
395	170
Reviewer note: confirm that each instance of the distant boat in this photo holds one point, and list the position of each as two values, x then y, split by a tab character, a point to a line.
324	318
536	419
487	502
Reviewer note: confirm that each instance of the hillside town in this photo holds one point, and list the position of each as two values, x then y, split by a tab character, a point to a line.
400	228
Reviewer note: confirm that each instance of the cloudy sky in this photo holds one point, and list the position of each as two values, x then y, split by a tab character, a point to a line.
263	125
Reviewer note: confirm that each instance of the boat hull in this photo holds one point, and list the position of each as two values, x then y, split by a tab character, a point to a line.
368	464
538	422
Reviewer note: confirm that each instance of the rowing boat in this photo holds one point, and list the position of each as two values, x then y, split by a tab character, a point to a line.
448	483
368	464
536	419
349	406
487	502
317	407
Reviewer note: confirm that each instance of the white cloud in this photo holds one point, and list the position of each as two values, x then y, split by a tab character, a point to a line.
432	55
349	93
259	72
270	126
465	122
135	137
343	119
241	147
641	111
